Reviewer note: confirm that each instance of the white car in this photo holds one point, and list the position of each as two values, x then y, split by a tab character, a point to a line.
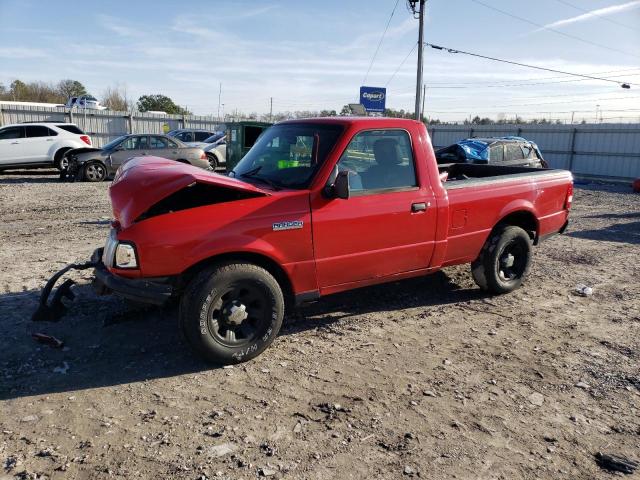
215	147
85	101
41	144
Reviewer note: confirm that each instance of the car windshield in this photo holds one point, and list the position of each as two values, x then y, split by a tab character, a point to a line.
113	143
214	138
288	155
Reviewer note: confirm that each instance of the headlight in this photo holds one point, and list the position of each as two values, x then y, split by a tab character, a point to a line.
126	256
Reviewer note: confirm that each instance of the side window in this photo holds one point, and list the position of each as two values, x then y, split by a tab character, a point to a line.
529	152
37	131
158	142
496	153
186	136
10	133
514	152
378	160
133	143
202	136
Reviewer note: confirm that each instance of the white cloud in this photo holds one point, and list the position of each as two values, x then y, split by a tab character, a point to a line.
623	7
21	52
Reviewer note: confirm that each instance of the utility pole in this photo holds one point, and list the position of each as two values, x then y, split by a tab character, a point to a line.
270	109
424	94
420	49
219	97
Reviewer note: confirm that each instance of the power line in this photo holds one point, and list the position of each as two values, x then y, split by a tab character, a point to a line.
602	17
453	50
549	78
559	32
401	64
364	80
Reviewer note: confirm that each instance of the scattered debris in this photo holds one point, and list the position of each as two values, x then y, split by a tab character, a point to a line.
583	290
536	399
266	472
616	463
222	449
583	385
409	471
63	370
50	340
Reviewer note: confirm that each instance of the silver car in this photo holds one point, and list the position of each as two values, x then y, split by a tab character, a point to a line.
95	164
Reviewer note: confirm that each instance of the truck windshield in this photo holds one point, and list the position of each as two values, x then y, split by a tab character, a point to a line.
288	155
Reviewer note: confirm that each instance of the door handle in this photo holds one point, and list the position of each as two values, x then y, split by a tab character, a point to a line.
418	207
15	143
49	140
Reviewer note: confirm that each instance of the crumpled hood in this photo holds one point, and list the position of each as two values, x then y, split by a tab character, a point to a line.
144	181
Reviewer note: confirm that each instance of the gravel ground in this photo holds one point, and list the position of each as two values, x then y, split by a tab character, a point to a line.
423	378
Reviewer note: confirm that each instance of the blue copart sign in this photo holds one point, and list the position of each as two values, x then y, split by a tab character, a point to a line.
373	98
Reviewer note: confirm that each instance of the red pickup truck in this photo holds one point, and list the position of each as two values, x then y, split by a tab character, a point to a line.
316	207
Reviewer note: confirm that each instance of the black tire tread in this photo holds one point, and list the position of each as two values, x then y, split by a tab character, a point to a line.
190	303
482	269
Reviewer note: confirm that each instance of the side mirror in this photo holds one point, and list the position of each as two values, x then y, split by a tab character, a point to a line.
338	186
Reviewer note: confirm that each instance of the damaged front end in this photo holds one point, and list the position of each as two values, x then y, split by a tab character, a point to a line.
54	310
143	188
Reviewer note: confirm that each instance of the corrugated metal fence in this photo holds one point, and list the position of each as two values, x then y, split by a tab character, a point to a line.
104	125
600	150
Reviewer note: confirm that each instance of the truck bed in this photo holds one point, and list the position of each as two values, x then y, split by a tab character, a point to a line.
480	195
461	175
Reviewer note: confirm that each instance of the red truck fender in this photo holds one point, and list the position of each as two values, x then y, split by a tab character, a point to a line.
520	213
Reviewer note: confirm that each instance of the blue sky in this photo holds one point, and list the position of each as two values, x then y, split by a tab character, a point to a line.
313	55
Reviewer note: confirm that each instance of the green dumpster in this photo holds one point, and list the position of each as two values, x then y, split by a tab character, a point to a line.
240	138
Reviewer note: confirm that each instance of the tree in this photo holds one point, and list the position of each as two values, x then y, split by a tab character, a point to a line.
18	90
159	103
345	110
71	88
115	98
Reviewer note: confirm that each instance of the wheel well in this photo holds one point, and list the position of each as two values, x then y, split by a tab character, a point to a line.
60	152
182	160
525	220
255	258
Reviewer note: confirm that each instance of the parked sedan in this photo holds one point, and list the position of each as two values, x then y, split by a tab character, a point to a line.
215	147
95	165
507	151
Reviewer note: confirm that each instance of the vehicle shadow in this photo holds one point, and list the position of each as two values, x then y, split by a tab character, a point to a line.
618	232
108	341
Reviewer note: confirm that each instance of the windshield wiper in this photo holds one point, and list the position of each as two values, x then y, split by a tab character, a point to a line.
252	174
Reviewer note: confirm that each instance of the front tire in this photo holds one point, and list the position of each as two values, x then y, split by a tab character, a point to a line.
94	172
232	312
504	261
213	161
60	161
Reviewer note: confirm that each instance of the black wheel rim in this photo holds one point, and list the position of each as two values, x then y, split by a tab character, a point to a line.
512	261
239	314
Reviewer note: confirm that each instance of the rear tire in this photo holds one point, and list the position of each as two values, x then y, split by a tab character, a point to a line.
232	312
94	171
504	261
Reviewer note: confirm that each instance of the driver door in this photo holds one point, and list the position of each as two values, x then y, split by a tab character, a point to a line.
387	226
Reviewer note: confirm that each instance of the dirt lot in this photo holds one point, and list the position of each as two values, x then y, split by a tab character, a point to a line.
425	378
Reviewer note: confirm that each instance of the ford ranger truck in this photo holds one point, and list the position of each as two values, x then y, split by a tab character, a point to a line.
316	207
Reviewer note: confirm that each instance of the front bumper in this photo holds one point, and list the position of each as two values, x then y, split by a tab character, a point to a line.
156	291
139	290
